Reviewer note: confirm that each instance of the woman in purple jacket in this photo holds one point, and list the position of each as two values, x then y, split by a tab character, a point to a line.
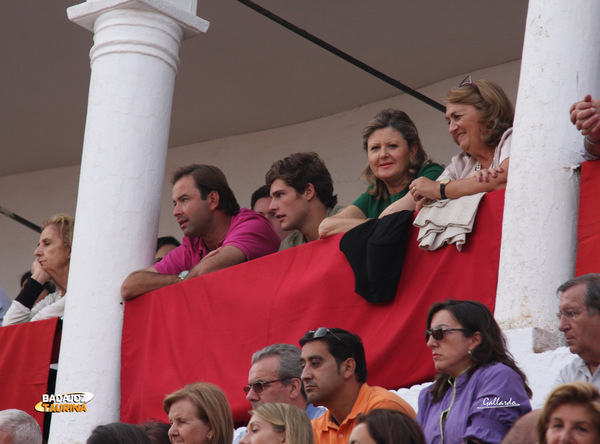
479	391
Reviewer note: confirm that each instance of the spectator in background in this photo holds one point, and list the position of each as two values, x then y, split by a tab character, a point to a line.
217	234
571	415
53	258
585	115
164	245
335	376
4	304
479	392
199	413
480	118
275	377
302	196
579	320
260	202
49	287
157	431
383	426
278	423
118	433
17	427
395	156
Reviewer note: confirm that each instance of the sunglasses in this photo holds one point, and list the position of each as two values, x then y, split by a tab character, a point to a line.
322	332
259	386
439	332
468	81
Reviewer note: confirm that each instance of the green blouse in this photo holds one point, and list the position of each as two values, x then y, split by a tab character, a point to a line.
372	207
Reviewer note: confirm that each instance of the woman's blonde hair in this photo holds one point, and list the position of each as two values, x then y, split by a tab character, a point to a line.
494	106
64	223
576	393
212	407
289	419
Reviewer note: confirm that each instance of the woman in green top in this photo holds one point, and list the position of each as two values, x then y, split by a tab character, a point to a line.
395	158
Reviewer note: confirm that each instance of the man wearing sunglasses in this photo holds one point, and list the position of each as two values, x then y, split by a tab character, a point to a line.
335	376
275	377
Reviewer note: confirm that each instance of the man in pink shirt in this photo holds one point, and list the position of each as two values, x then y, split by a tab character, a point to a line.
217	233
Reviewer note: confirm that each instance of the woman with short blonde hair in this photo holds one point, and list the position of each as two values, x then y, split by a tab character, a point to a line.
52	261
199	413
278	422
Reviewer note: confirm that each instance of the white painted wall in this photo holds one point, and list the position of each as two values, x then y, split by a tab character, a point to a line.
244	159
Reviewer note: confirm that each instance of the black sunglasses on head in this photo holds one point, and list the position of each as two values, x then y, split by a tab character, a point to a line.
322	332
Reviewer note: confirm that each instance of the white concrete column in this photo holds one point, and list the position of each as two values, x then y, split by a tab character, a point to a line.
134	62
560	64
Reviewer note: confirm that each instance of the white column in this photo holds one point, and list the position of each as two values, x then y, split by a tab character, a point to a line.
134	62
560	64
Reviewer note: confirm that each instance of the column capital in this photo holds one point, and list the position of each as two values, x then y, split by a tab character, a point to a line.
85	14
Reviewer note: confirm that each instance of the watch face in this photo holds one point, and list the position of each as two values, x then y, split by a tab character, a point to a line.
445	181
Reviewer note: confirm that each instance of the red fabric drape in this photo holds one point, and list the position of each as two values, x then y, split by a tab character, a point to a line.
206	329
588	230
25	356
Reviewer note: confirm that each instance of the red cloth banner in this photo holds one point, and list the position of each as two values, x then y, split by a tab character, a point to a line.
26	352
206	329
588	229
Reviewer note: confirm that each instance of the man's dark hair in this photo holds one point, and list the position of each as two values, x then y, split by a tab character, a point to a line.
342	345
591	296
166	240
210	178
261	193
300	169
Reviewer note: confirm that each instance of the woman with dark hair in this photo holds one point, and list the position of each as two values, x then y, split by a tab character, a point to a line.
479	392
157	431
480	118
571	414
384	426
118	433
199	413
52	261
395	157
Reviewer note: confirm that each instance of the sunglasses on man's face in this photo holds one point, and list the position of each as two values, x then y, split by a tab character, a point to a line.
259	386
439	332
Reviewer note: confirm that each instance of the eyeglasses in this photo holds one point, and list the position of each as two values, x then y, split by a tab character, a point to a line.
468	81
439	332
570	313
259	386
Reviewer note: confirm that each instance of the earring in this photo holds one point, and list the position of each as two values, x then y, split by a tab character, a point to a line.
470	352
209	437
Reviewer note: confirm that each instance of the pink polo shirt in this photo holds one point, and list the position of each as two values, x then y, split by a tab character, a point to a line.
249	231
